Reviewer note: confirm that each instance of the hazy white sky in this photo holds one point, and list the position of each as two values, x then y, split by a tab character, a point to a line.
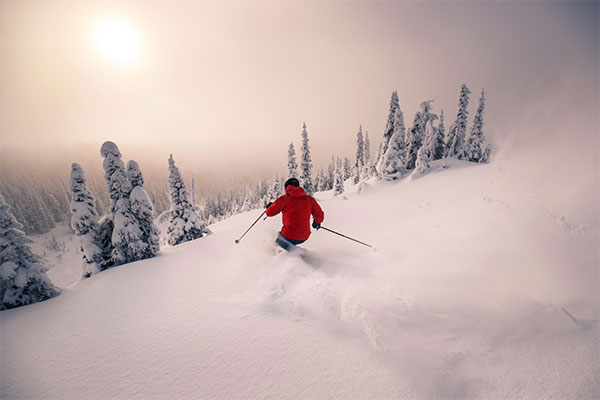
212	81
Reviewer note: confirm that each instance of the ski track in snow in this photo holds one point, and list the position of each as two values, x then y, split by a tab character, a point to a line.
418	317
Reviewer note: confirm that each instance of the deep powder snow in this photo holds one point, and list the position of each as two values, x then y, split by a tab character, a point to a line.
482	284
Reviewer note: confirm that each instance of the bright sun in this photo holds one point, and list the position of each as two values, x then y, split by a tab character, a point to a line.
117	41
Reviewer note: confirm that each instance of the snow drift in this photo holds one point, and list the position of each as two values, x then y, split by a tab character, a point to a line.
481	285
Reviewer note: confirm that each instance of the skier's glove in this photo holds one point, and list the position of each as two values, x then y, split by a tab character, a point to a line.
269	205
316	225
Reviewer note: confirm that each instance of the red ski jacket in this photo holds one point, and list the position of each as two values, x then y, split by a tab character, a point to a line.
297	208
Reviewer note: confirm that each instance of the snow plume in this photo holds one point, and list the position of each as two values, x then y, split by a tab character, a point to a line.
143	211
84	221
23	277
184	223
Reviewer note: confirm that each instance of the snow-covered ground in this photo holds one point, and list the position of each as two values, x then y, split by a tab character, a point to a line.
483	284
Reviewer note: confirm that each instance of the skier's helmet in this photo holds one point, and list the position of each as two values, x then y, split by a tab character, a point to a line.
292	181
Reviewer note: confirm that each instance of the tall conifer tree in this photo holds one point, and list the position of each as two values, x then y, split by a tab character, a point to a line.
84	221
292	164
184	223
473	151
455	146
306	163
143	211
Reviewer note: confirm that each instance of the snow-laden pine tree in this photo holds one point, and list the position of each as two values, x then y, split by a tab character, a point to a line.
392	166
359	162
367	149
247	204
126	235
331	173
438	145
319	180
417	132
275	191
127	242
143	210
184	224
84	221
338	180
389	125
458	130
292	164
114	173
366	172
23	278
473	151
347	168
306	163
422	162
430	132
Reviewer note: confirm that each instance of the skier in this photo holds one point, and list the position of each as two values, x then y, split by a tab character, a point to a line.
297	208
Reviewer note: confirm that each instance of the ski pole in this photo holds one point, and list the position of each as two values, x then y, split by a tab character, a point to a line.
347	237
257	219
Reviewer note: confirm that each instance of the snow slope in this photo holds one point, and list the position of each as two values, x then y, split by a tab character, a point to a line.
466	294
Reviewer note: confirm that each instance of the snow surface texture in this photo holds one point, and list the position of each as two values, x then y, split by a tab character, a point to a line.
462	298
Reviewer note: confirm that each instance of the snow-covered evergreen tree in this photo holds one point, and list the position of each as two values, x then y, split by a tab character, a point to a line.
247	204
319	180
143	210
338	181
114	173
417	132
389	126
455	147
184	224
429	137
275	191
360	149
292	164
438	145
367	149
23	278
473	151
306	164
84	221
330	174
422	162
359	162
394	157
126	236
347	168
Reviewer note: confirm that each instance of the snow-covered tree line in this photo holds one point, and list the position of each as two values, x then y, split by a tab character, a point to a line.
403	150
127	232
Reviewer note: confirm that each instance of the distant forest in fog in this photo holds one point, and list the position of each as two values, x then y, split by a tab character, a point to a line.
36	185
